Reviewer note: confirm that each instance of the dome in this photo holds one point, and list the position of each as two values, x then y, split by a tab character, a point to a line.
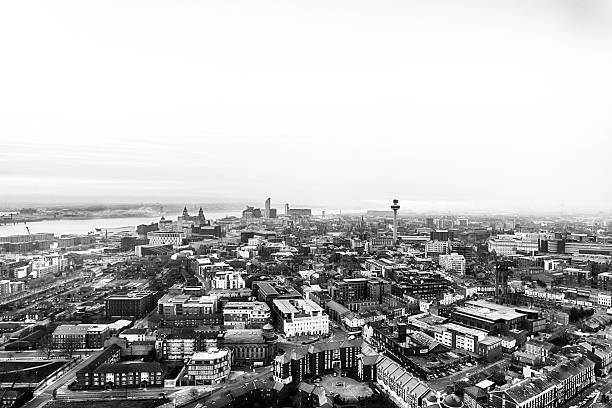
432	398
452	401
268	326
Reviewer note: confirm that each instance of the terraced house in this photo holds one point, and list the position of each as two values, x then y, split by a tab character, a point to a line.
405	390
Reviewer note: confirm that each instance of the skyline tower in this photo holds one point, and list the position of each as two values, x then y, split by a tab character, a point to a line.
267	207
395	207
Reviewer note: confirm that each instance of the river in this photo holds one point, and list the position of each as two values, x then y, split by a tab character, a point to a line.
69	226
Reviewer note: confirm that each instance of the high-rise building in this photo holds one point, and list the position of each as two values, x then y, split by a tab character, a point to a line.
267	208
430	223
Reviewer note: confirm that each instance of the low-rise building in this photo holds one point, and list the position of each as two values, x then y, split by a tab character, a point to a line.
250	347
166	237
228	279
600	352
80	336
135	304
453	262
404	390
456	336
209	367
299	317
554	387
246	314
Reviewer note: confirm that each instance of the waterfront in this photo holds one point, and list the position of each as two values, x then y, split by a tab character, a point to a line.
81	226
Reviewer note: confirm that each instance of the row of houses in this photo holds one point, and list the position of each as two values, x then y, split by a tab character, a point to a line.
552	388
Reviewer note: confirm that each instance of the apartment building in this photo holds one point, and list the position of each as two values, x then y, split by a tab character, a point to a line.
299	317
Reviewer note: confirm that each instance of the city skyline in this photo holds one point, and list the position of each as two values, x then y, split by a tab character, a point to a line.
306	204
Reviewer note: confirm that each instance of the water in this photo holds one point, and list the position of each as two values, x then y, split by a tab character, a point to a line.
68	226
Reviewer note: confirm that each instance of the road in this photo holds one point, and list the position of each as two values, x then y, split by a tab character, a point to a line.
44	395
64	394
260	374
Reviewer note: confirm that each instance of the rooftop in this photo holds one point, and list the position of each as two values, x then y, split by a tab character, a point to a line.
297	306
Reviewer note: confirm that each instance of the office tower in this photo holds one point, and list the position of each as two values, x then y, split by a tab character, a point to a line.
267	208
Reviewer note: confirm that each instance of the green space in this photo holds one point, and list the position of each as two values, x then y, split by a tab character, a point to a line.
144	403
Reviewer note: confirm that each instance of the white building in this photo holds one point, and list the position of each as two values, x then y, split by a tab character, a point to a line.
21	271
300	317
166	238
186	305
604	299
505	244
502	246
208	266
241	314
5	287
456	336
209	367
454	262
228	279
41	267
552	264
436	247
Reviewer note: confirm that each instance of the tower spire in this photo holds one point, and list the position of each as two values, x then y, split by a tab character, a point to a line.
395	207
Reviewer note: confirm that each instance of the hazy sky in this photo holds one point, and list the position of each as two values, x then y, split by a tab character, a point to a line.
442	104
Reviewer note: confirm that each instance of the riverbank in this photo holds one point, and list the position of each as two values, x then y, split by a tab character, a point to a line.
72	225
25	220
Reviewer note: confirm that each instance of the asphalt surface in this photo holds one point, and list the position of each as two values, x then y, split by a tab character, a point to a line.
260	374
442	383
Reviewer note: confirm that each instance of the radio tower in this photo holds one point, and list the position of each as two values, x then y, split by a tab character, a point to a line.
395	207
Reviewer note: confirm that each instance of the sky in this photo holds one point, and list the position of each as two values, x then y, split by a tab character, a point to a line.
445	105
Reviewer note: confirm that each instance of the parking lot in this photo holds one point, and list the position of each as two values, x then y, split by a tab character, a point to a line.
453	375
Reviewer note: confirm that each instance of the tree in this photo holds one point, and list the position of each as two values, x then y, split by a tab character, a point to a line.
498	378
46	346
69	346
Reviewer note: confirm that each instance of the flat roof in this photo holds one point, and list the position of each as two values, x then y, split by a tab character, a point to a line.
297	305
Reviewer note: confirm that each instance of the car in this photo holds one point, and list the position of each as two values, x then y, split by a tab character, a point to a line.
335	374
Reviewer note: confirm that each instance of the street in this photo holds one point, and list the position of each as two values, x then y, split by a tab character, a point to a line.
260	374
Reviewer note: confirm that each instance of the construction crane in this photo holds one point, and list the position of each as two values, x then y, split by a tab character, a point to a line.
28	228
